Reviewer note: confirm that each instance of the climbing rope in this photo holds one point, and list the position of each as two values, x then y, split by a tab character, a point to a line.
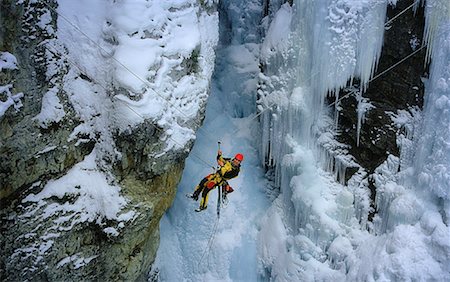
401	13
213	234
210	241
218	200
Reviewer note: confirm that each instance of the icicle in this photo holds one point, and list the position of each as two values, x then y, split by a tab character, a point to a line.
408	123
361	193
371	41
436	12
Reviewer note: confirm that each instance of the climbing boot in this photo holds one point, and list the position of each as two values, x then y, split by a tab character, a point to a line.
199	209
192	196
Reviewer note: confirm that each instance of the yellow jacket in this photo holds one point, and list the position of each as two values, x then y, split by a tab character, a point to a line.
227	170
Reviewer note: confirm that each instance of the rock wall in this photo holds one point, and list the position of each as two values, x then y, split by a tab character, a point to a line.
105	227
24	154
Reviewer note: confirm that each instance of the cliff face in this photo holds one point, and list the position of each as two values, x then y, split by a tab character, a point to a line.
23	160
85	174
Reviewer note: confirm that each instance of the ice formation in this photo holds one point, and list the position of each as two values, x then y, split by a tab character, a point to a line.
326	224
432	162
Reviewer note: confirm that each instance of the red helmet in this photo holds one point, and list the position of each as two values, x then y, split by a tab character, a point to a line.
239	157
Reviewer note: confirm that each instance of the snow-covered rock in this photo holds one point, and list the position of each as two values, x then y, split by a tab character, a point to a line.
102	100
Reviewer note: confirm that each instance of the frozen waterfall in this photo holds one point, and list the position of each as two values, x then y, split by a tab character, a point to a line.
324	224
316	226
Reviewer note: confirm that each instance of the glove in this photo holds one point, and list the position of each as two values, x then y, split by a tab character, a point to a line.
228	189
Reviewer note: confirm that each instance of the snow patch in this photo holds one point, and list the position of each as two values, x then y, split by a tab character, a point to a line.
11	99
77	260
52	111
7	61
85	194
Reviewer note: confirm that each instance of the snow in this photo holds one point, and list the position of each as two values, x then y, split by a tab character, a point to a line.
46	150
143	46
330	43
83	195
103	202
7	61
52	110
11	99
77	260
44	22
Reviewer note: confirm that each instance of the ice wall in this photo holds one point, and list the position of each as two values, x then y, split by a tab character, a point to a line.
412	199
240	35
311	50
436	11
432	164
420	177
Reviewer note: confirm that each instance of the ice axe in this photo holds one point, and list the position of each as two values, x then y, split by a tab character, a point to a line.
218	145
218	190
217	167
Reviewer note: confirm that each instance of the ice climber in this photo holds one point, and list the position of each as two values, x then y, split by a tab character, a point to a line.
229	168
